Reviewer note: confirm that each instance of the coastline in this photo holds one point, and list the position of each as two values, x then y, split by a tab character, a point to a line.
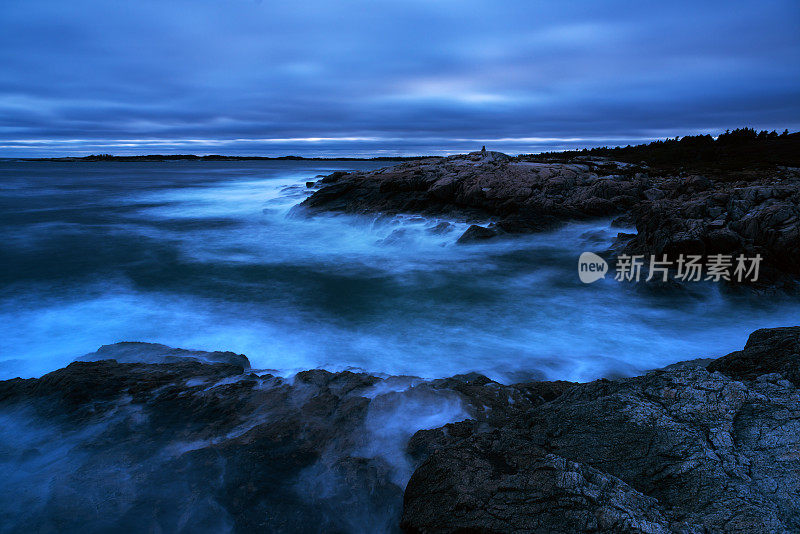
399	267
747	213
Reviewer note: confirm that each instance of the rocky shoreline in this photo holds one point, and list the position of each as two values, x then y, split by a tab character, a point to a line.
144	437
748	212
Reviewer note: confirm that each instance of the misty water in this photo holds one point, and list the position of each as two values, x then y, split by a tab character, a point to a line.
206	255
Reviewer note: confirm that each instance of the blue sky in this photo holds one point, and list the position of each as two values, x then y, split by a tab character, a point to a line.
352	77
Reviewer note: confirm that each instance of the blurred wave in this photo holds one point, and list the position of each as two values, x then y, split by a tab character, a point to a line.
204	256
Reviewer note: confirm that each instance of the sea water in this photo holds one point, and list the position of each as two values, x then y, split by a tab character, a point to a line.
210	255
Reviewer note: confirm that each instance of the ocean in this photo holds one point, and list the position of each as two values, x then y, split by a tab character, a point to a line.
210	255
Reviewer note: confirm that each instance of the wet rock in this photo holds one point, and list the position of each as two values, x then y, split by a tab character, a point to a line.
491	404
507	485
340	384
477	233
137	352
770	350
397	236
331	195
624	221
82	385
698	216
744	214
333	177
677	450
187	446
441	228
206	446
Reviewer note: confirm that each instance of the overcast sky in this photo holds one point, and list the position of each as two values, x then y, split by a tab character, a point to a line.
387	77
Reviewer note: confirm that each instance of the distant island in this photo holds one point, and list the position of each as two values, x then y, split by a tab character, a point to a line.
742	147
212	157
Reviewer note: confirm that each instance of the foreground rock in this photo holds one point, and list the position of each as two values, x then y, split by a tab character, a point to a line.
197	447
682	450
203	444
747	212
673	451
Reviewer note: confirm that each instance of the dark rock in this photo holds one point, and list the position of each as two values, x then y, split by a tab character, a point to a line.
330	195
488	156
678	450
334	177
425	442
441	228
698	216
527	225
624	221
397	236
89	382
722	241
477	233
340	384
688	364
480	185
508	485
697	183
137	352
770	350
310	184
756	213
192	447
654	194
200	446
673	451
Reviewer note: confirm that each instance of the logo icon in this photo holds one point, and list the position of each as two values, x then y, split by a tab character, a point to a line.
591	267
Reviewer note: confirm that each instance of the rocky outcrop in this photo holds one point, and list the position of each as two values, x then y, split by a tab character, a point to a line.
694	215
521	196
747	213
674	451
198	445
502	485
192	447
681	450
477	233
137	352
768	351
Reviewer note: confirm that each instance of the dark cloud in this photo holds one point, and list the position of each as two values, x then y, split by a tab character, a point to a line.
353	77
